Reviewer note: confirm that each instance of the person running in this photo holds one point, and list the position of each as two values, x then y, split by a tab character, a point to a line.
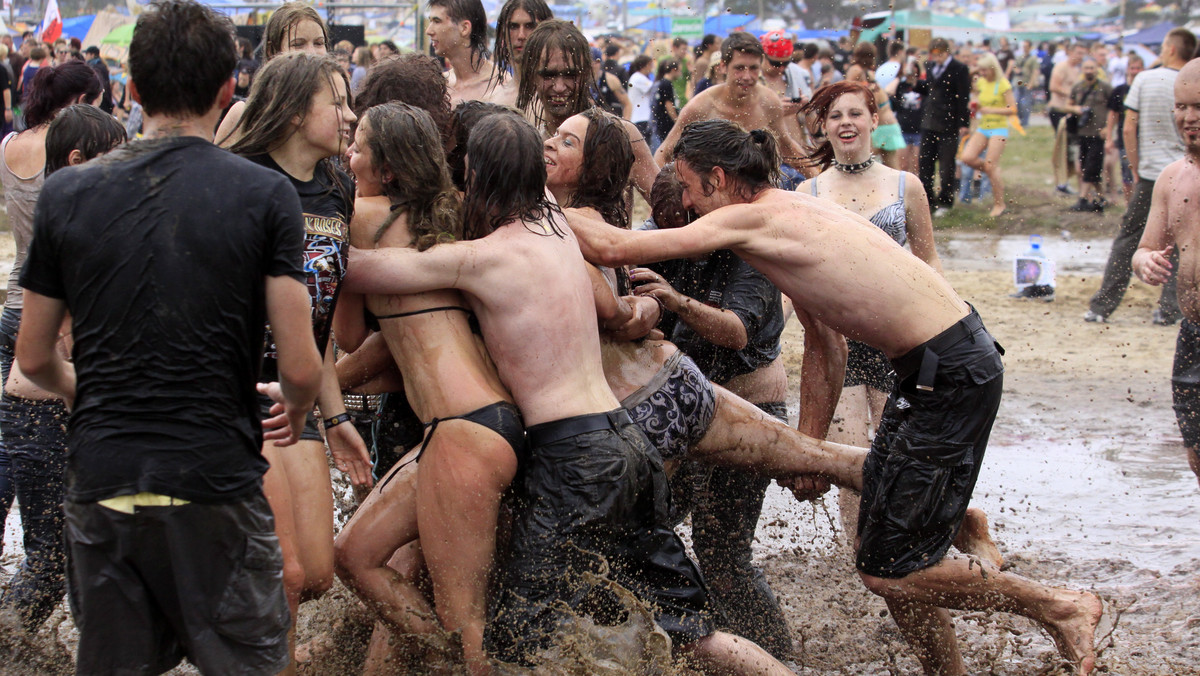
22	172
558	84
293	27
743	99
948	375
35	421
474	433
1172	227
458	33
168	534
297	119
995	103
514	24
593	488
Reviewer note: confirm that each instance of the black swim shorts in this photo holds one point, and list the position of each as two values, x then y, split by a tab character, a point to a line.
1185	383
868	366
202	581
593	502
919	475
675	408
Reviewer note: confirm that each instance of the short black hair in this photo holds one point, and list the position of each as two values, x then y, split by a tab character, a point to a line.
612	49
80	127
666	66
750	160
181	42
740	42
92	50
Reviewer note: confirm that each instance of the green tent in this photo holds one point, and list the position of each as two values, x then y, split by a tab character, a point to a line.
909	19
121	36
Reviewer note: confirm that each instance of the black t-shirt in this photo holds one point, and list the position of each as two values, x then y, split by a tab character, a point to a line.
906	104
6	83
328	203
664	91
1004	56
725	281
160	250
1116	103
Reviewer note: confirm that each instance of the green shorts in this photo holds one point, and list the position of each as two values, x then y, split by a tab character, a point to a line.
888	137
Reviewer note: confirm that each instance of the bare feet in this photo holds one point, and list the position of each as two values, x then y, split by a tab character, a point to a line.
996	210
1072	624
974	539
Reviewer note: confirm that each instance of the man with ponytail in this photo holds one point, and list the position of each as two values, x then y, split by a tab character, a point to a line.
843	272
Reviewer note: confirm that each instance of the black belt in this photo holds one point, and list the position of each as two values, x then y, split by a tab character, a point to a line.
556	430
923	359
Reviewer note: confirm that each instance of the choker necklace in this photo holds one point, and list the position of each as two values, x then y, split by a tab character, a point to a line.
855	168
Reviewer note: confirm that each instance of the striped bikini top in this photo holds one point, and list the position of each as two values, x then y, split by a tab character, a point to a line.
891	218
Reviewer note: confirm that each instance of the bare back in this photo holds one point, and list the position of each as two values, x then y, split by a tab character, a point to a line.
535	305
445	366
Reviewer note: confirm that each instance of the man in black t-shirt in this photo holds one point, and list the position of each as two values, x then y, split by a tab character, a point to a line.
169	274
663	110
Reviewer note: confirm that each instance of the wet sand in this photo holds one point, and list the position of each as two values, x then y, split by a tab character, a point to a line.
1085	483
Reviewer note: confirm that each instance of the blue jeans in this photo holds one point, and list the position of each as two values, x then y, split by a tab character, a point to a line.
1024	104
36	441
10	321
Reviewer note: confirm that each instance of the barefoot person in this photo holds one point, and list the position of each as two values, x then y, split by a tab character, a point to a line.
854	278
1172	226
170	540
474	433
985	145
458	33
593	492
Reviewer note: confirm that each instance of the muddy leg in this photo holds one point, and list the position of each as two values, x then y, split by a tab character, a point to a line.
973	538
1194	461
721	653
461	479
930	632
1070	617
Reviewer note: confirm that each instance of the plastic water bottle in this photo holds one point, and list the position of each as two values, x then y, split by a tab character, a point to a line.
1033	273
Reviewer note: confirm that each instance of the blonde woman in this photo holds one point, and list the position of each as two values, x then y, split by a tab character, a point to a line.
994	102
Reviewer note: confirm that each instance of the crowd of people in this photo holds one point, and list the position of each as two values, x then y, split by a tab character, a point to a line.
426	266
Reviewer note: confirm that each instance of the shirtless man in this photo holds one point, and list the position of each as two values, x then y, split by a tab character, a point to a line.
1062	78
557	84
1173	224
458	33
593	488
742	99
939	416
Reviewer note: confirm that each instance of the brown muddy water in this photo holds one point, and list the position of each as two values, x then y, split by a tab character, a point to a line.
1085	484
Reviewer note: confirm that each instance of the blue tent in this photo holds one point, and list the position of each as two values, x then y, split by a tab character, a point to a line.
78	27
726	23
1153	35
659	24
819	34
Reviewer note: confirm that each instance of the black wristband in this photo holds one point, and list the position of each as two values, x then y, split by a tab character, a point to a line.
337	420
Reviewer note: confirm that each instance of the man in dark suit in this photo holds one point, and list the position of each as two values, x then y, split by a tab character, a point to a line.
946	116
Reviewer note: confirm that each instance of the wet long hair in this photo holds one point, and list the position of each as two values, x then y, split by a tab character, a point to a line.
666	200
750	159
507	177
414	79
538	10
80	127
607	159
281	23
405	144
283	91
463	119
821	154
550	35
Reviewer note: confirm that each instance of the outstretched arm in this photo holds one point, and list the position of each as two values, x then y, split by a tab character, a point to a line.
603	244
401	272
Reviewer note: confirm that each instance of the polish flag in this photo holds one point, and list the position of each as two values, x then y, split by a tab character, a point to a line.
51	28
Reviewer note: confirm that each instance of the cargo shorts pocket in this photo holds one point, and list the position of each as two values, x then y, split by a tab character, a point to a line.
927	482
254	608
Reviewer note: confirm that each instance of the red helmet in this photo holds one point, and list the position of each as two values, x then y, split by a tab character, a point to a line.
777	45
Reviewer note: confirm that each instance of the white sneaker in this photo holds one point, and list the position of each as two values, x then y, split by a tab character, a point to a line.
1090	316
941	211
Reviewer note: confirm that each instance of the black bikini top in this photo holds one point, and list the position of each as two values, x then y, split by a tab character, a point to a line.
372	320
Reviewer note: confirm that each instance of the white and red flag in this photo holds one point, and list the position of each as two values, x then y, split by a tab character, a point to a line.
51	28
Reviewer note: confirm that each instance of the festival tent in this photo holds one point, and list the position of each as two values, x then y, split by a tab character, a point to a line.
942	25
78	26
658	24
120	36
725	24
1154	35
